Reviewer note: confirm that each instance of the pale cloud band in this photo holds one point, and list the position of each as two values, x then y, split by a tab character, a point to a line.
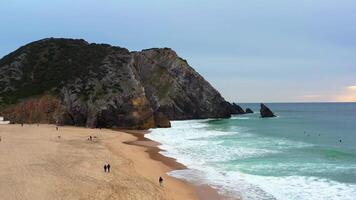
352	87
346	94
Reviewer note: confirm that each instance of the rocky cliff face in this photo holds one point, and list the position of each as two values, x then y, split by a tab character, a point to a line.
73	82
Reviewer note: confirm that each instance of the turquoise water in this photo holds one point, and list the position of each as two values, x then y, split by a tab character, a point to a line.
297	155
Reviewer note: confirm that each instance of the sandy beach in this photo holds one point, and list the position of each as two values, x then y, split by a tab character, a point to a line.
36	164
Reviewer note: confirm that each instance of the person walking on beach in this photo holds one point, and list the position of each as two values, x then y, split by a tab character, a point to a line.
160	180
108	168
105	167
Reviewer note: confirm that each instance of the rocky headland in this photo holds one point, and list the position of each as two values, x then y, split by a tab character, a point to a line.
73	82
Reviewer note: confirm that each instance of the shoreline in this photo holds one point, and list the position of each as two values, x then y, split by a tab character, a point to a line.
204	192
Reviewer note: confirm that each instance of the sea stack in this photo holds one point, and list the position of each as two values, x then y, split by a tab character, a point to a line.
248	110
236	109
265	111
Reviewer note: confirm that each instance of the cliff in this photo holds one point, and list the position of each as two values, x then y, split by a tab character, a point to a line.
73	82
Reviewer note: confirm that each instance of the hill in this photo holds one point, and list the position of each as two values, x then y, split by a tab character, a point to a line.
73	82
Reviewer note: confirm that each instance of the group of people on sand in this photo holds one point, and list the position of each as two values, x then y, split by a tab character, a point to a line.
107	168
91	138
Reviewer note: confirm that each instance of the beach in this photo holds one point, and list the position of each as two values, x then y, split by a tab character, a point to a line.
40	162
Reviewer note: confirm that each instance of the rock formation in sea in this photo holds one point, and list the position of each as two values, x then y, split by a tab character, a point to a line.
248	110
73	82
236	109
265	111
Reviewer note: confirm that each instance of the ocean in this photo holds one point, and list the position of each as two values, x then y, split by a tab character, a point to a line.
308	152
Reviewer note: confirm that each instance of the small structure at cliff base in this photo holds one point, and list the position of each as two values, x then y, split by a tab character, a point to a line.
3	122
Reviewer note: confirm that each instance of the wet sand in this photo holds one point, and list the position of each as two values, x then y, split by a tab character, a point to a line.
204	192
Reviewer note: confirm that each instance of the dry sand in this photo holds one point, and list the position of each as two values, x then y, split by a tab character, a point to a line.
37	165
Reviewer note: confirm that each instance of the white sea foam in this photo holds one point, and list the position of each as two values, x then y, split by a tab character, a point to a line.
264	187
192	143
304	188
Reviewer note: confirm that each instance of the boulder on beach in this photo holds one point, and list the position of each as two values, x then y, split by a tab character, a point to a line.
248	110
265	111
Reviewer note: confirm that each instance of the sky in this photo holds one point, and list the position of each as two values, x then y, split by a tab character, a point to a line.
251	51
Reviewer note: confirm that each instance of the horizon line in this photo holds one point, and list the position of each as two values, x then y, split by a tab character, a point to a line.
299	102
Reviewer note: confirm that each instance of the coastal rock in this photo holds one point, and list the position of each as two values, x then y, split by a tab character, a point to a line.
176	89
73	82
34	110
236	109
265	111
162	120
248	110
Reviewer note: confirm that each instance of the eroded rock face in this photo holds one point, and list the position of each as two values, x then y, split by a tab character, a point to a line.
265	111
236	109
176	89
98	85
248	110
42	109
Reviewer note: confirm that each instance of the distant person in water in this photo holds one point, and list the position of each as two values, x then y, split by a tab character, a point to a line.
105	167
340	141
160	180
108	168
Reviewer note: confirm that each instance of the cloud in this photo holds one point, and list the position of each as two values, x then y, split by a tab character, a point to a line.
346	98
352	87
313	96
348	95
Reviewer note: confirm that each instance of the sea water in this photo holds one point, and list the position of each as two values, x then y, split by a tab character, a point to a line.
307	152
